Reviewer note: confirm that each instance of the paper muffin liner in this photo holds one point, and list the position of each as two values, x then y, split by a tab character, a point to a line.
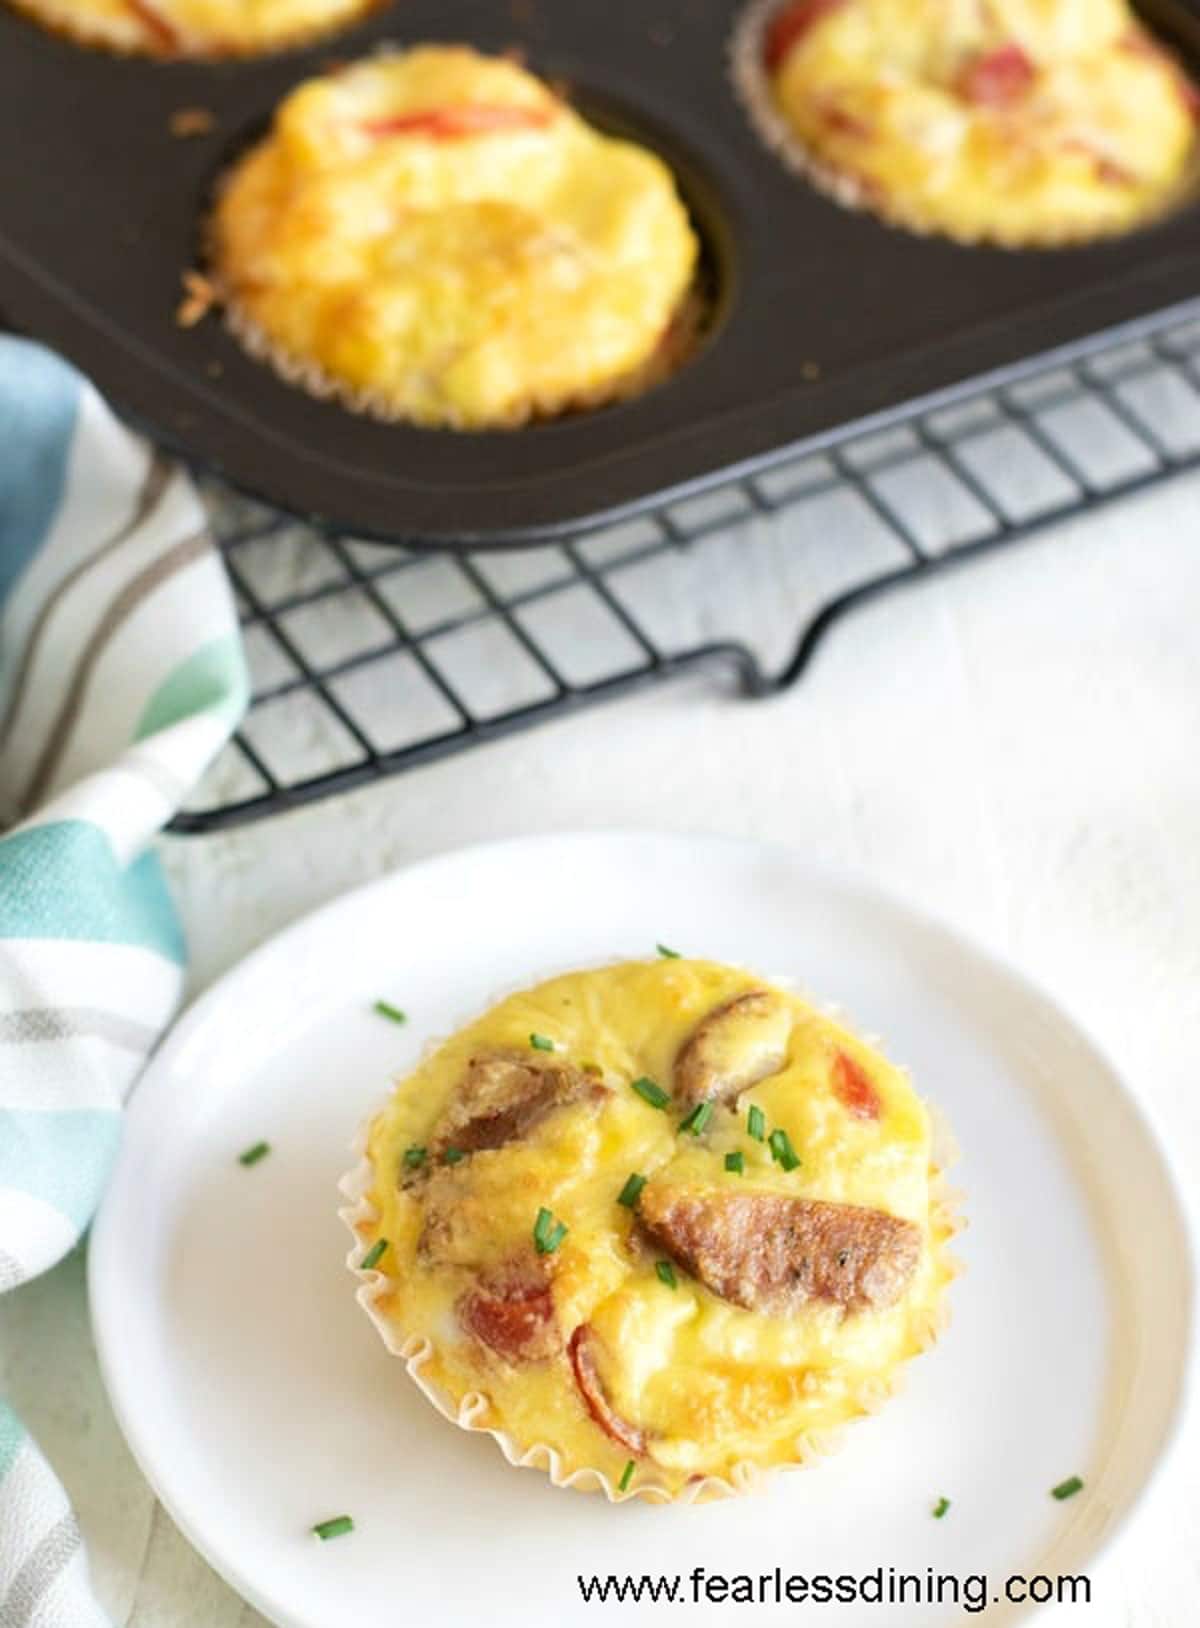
751	82
316	381
135	39
470	1411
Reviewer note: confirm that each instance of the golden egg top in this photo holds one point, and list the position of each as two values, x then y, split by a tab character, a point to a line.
1027	121
660	1215
442	238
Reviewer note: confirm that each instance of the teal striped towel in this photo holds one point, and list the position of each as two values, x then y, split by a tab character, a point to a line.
121	676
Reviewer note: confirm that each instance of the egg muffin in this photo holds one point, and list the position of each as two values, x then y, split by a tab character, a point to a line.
195	28
434	235
1021	122
657	1227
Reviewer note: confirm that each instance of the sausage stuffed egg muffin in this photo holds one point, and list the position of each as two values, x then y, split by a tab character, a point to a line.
1023	122
434	235
657	1227
194	28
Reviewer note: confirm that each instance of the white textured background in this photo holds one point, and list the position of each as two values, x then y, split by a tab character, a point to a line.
1017	746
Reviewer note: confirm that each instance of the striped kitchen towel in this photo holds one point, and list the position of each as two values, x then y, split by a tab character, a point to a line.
121	676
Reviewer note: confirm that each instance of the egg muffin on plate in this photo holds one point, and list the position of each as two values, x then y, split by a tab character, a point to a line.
435	235
1020	122
657	1227
195	28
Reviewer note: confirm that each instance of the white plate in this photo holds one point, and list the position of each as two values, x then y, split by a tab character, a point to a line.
258	1399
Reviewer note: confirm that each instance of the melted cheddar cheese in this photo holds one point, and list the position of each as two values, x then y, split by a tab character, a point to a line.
1023	121
436	236
609	1349
194	28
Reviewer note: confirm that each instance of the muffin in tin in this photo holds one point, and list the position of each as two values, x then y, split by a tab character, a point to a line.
195	28
658	1227
1021	122
434	235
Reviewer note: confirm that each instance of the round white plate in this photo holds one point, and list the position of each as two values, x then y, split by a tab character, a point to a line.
258	1398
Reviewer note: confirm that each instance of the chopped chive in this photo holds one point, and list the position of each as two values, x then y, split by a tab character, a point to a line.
626	1476
666	1274
336	1528
1067	1489
547	1232
539	1042
254	1154
667	953
453	1156
632	1190
651	1093
782	1149
940	1508
373	1255
756	1122
387	1010
736	1162
697	1119
413	1157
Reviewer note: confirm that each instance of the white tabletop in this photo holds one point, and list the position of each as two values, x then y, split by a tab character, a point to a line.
1016	745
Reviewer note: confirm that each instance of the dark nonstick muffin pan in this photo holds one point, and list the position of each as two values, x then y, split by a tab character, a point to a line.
820	317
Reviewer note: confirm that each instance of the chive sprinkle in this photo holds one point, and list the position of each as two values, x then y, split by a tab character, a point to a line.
736	1162
413	1157
387	1010
667	953
254	1154
453	1156
697	1119
335	1528
940	1508
1067	1489
626	1476
651	1093
632	1191
373	1255
539	1042
756	1122
782	1149
666	1274
547	1232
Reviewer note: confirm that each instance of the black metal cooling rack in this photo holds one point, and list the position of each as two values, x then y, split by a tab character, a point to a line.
367	659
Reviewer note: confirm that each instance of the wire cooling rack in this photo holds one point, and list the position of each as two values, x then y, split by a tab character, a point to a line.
367	659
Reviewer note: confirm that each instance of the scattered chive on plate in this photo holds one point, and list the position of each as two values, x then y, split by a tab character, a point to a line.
337	1527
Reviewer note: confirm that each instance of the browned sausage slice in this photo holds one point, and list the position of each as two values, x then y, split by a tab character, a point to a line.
772	1253
511	1311
503	1095
733	1048
580	1349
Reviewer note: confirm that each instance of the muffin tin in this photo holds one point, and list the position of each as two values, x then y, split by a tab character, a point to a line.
822	319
